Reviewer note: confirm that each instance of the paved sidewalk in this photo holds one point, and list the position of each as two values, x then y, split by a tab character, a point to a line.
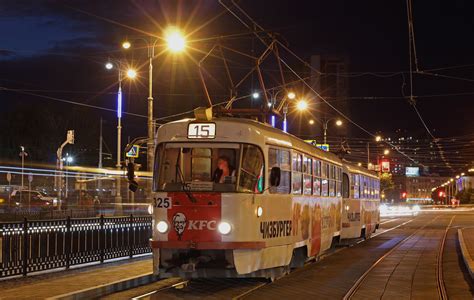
61	283
466	241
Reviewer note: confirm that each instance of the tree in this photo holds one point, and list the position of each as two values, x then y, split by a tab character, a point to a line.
386	182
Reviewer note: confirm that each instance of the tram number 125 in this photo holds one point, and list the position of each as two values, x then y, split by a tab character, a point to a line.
201	130
162	202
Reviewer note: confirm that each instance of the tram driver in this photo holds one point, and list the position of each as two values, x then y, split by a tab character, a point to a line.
224	169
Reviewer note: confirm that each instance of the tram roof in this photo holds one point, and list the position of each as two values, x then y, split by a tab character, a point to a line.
272	136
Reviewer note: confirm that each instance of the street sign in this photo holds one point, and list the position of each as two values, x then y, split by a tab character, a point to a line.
133	152
9	177
70	136
385	166
324	147
30	177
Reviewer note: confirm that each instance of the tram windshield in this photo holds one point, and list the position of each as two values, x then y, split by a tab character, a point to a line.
219	167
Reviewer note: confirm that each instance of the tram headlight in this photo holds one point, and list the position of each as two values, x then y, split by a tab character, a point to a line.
224	228
259	211
162	226
150	209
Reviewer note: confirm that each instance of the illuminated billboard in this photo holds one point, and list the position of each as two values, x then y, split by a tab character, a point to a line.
412	171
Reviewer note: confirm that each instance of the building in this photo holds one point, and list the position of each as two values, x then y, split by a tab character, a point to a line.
413	189
332	84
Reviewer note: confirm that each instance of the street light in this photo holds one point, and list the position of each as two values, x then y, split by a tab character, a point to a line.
131	73
325	127
126	45
255	95
378	138
291	95
175	40
302	105
386	152
311	122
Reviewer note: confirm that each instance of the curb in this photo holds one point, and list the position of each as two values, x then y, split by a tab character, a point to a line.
465	254
109	288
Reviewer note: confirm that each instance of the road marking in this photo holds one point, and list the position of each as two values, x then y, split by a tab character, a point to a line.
388	221
390	229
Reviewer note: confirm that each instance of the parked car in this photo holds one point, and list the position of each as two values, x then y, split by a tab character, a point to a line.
37	198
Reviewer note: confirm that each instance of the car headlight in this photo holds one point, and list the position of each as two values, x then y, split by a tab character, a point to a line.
259	211
224	228
162	226
150	209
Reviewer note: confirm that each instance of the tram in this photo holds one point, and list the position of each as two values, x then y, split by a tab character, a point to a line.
238	198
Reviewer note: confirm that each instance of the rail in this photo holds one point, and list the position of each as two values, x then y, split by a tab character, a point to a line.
39	245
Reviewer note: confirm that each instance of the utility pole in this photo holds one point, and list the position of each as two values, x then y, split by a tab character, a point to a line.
23	154
99	182
368	154
151	125
100	144
60	163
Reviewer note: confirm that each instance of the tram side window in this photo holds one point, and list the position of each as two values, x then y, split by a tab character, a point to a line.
339	182
377	188
332	180
297	177
324	180
345	185
356	186
372	188
280	158
251	171
307	177
316	177
364	187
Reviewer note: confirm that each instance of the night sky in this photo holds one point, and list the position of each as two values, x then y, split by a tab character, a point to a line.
51	51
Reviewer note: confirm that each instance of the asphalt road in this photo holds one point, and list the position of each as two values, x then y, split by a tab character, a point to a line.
409	257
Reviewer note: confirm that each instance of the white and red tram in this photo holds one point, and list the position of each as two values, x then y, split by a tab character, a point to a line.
281	205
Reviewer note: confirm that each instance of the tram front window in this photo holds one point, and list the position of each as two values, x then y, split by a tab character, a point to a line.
206	167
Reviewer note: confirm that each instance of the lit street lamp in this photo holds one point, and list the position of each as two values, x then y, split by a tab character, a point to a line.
69	160
386	152
130	74
325	127
175	43
302	105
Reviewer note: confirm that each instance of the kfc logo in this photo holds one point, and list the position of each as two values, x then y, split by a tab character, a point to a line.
179	224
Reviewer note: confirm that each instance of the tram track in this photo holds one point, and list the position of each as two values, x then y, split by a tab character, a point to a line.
441	289
246	286
439	270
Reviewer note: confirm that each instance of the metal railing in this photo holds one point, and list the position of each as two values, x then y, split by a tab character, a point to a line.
32	246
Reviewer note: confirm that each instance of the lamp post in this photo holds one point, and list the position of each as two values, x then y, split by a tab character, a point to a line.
325	126
378	138
130	74
23	154
175	42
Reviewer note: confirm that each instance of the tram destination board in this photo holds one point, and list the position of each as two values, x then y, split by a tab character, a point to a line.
201	130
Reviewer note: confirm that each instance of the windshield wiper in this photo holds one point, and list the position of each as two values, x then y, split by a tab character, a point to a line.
185	187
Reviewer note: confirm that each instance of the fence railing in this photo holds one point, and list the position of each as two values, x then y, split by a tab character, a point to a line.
32	246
